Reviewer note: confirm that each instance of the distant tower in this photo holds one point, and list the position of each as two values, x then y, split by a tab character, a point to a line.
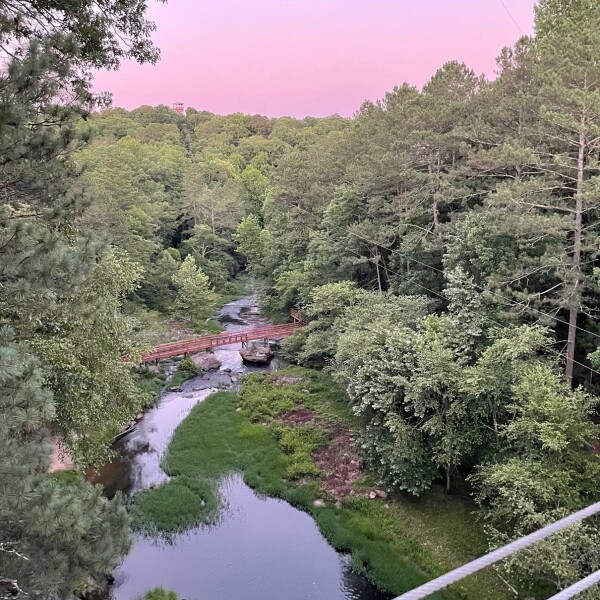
178	107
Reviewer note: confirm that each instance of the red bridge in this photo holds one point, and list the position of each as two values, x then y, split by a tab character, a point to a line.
196	344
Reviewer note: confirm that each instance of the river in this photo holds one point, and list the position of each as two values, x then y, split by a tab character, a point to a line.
258	548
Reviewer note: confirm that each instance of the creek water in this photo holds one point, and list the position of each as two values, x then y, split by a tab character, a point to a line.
259	547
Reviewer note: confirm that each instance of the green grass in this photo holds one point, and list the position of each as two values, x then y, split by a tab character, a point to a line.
175	506
67	477
398	544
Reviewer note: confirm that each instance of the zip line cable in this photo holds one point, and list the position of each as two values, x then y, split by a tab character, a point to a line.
440	583
440	271
578	587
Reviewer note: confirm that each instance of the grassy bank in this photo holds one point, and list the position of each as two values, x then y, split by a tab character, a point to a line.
399	543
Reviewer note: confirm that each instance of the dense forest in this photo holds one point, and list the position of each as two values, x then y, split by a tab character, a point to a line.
443	246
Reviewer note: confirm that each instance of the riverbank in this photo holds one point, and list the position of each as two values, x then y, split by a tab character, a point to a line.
289	434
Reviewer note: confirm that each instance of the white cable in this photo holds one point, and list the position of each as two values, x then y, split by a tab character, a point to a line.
578	587
493	557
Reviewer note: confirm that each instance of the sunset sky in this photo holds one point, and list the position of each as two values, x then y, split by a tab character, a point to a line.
310	57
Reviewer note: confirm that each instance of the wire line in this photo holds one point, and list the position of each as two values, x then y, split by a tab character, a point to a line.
440	271
511	16
388	270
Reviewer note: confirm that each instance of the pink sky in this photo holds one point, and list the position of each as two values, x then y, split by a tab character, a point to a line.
309	57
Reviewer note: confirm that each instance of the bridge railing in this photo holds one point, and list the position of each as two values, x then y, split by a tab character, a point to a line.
222	339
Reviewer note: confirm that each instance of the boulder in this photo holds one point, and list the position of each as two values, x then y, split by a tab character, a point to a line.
381	494
372	495
319	503
206	361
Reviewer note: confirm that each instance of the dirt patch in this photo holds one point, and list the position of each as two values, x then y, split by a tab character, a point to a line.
283	380
340	466
61	461
297	416
179	330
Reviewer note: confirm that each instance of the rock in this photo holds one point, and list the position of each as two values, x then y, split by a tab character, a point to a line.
256	355
319	503
153	368
202	503
189	395
306	391
139	417
175	389
338	504
206	361
227	370
238	410
381	494
372	495
234	379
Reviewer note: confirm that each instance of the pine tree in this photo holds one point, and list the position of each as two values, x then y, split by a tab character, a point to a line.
53	535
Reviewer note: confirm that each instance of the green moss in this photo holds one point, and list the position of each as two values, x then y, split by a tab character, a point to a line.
399	544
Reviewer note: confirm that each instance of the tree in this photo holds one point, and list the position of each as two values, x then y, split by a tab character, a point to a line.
254	187
81	347
250	241
54	536
569	71
105	32
160	594
194	293
546	472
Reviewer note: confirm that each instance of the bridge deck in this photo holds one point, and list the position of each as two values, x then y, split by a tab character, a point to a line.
220	339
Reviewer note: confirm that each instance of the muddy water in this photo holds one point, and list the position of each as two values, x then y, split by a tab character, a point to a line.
259	548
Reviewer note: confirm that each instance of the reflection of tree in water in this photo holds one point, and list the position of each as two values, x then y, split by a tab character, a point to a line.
355	585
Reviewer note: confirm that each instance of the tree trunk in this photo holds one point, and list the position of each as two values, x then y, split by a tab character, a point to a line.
575	292
448	479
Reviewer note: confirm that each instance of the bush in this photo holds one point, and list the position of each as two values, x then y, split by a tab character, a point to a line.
160	594
185	369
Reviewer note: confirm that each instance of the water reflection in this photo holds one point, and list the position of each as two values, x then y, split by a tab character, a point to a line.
260	548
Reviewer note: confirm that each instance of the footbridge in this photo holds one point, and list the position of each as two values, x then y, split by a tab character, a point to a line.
205	342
